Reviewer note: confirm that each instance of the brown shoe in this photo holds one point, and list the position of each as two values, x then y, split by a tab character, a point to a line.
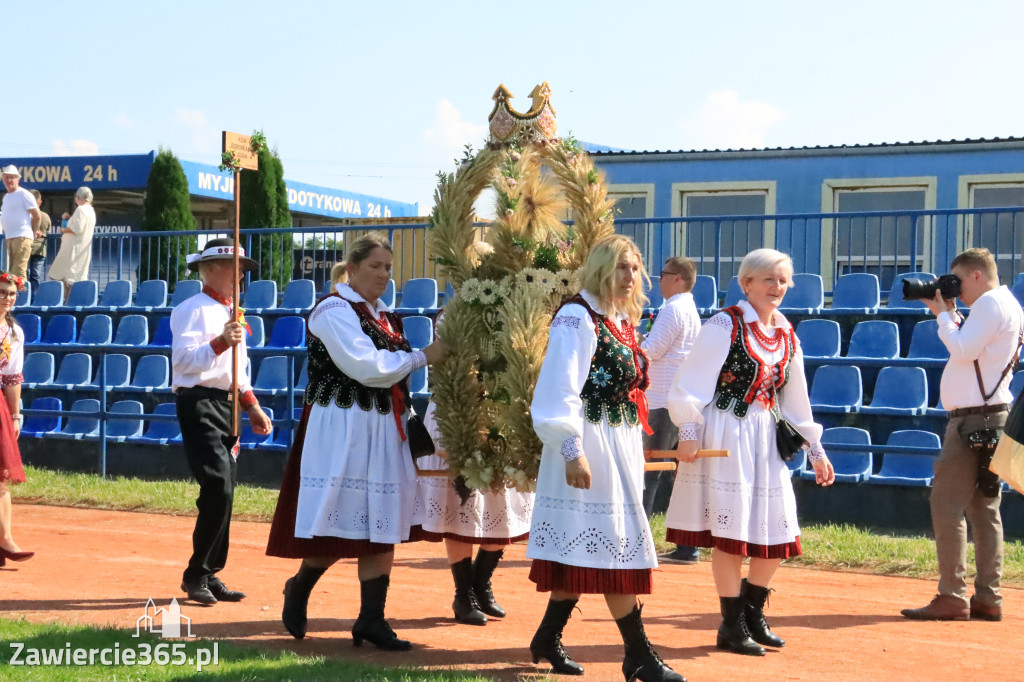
942	607
985	611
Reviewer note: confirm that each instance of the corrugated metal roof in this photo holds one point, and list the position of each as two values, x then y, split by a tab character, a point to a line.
872	145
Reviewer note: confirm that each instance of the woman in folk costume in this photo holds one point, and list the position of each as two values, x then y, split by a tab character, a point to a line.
12	359
589	532
349	488
488	519
745	368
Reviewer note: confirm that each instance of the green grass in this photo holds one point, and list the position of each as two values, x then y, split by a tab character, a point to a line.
235	662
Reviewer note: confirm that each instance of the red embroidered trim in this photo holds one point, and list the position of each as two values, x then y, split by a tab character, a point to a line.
218	345
431	536
551	575
13	379
247	400
704	538
215	296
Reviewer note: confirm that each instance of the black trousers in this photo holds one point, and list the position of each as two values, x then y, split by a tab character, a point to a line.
205	417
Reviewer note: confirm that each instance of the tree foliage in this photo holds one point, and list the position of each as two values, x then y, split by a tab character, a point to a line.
265	204
166	207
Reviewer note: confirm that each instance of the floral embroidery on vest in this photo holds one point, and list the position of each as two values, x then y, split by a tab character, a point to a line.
745	377
326	380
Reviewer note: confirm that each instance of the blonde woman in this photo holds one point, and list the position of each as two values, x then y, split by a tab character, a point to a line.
589	533
744	370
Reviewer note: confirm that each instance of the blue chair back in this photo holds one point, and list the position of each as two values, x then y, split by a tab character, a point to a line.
82	294
906	468
119	371
132	330
39	368
837	386
152	372
184	290
273	374
84	420
896	299
49	295
75	370
31	325
117	294
912	438
260	295
39	424
1016	383
24	297
734	294
258	335
418	382
925	342
858	291
300	294
288	332
128	426
901	387
61	329
420	294
97	330
162	336
819	338
303	380
388	298
807	295
705	293
152	294
419	330
164	430
1018	288
874	339
449	293
850	467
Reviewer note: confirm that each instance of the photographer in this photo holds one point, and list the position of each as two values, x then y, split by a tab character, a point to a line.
975	391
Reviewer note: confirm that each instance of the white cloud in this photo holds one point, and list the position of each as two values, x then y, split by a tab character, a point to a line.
450	131
75	148
725	122
123	120
190	118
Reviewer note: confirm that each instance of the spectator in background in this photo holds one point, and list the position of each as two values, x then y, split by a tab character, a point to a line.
37	259
339	275
668	342
72	262
20	216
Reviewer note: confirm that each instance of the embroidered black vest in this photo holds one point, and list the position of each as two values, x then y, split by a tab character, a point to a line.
615	370
744	373
326	380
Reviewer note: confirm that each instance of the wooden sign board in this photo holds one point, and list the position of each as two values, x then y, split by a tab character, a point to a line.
241	146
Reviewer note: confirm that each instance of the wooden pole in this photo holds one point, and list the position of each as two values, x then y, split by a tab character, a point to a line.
234	305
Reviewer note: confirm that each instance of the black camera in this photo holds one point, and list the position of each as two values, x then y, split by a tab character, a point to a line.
917	289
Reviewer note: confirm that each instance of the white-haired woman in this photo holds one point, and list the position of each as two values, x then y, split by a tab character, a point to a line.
589	533
744	369
72	262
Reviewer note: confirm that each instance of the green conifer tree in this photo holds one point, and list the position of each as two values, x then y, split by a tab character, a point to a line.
265	204
166	207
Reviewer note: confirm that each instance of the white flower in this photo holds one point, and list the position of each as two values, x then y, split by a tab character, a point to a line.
566	282
476	472
470	290
534	277
489	292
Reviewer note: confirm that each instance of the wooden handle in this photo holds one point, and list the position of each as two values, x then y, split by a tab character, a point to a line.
660	466
432	473
671	454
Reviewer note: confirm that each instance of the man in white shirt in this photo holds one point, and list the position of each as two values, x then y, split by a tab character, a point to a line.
20	217
975	392
667	343
203	334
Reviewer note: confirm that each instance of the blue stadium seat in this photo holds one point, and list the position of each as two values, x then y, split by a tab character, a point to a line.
132	330
84	420
82	295
418	384
327	289
49	295
39	425
1018	288
878	339
419	297
24	297
937	411
75	370
60	329
272	379
419	330
249	438
896	293
161	432
259	296
38	369
798	463
805	297
734	294
899	391
925	342
299	296
303	380
850	467
97	330
162	337
654	294
908	469
837	389
117	294
819	338
388	298
1016	383
288	332
152	373
184	290
31	324
257	336
705	294
449	293
119	371
152	295
857	293
119	428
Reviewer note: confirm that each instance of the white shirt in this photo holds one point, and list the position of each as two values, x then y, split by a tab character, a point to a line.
194	323
670	339
14	215
988	335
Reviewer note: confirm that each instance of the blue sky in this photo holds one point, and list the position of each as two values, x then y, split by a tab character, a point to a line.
376	97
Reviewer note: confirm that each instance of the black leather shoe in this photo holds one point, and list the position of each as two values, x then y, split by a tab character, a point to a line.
199	593
221	592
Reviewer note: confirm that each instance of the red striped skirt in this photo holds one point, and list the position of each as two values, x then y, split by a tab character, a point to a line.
704	538
553	576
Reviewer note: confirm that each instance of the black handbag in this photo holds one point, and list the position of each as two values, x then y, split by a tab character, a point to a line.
787	439
420	442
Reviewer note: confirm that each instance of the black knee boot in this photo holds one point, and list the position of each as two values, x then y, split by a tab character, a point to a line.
754	599
733	634
465	606
370	625
547	643
483	569
642	662
296	598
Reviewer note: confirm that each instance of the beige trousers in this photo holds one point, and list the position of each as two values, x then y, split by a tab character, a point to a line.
955	502
18	251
